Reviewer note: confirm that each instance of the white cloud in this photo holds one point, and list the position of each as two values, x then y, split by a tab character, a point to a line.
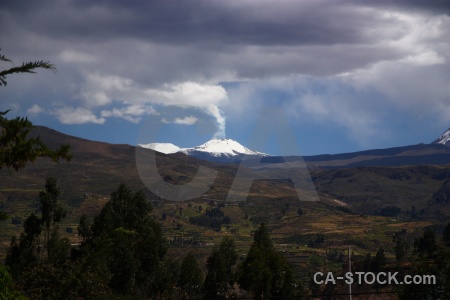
190	120
189	94
99	90
79	115
132	113
203	96
424	59
35	110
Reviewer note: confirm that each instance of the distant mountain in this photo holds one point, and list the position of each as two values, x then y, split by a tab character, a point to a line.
421	154
216	150
166	148
444	139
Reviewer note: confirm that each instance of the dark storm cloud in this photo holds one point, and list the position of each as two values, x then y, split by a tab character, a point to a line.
120	52
431	6
246	38
187	22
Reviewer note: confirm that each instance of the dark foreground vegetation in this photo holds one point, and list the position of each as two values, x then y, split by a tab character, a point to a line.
123	256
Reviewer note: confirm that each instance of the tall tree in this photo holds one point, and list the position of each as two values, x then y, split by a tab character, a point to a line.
125	242
7	289
16	148
191	277
52	213
446	235
220	279
265	272
28	250
426	244
25	252
378	261
401	248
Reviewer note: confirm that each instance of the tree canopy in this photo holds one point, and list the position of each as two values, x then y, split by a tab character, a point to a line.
16	147
26	67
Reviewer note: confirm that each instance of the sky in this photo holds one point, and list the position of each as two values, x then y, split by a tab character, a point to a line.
335	76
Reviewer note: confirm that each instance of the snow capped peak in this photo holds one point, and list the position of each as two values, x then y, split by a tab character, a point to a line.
215	148
444	139
166	148
223	147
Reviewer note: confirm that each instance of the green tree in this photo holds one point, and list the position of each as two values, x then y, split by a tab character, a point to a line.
7	289
378	261
265	272
16	148
446	236
26	67
191	277
28	250
125	242
166	283
25	252
436	262
70	280
426	244
52	213
401	248
220	279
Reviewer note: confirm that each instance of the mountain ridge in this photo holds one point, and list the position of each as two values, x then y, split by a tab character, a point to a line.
217	150
443	139
434	153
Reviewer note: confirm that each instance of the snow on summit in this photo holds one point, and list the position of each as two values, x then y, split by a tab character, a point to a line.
444	139
222	147
166	148
215	148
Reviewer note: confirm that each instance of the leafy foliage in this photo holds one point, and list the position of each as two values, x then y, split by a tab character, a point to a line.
426	245
126	243
7	289
17	149
219	282
27	251
213	218
191	277
265	272
26	67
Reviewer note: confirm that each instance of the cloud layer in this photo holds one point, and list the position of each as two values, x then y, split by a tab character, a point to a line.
350	63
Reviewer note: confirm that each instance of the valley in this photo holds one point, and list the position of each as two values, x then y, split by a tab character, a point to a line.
361	207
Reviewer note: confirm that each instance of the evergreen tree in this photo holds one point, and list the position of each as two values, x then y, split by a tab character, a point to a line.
125	242
16	148
446	236
265	272
401	248
28	250
191	277
378	261
52	213
426	244
219	282
7	289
